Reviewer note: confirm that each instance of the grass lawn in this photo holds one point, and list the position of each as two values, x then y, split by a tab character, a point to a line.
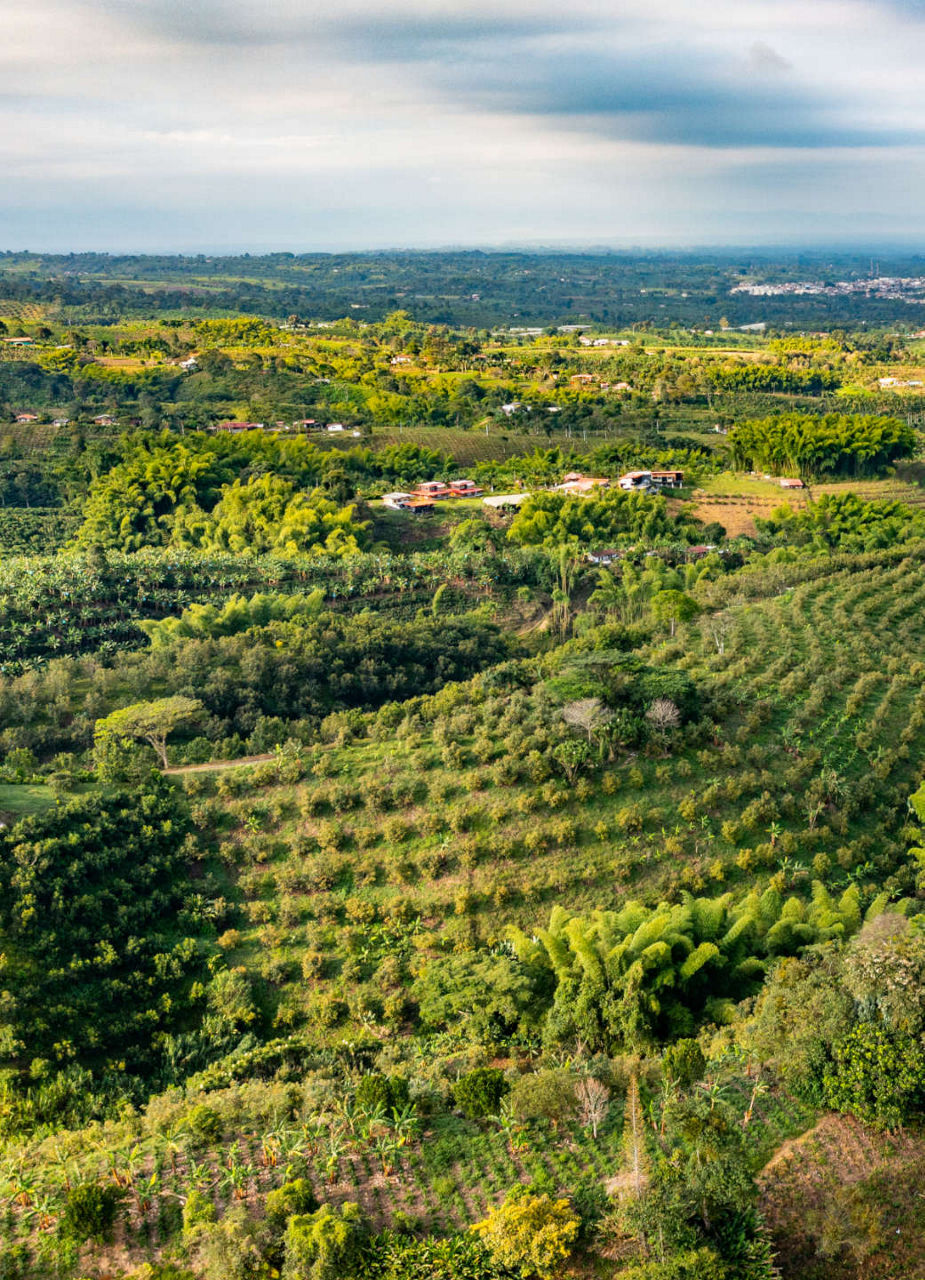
20	799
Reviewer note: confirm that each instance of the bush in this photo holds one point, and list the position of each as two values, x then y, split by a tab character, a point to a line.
204	1125
197	1211
90	1212
325	1245
231	1249
479	1093
289	1199
684	1062
376	1090
876	1075
532	1235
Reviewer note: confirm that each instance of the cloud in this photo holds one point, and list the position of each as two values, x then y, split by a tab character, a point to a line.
763	58
424	121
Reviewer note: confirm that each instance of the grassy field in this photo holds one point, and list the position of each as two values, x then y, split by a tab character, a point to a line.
19	799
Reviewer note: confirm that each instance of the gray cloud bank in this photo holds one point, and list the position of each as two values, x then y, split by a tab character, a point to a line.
135	124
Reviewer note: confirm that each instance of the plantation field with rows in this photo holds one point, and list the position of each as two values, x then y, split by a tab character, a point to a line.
801	772
56	607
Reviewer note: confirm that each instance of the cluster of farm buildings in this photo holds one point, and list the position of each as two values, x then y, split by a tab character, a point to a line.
424	496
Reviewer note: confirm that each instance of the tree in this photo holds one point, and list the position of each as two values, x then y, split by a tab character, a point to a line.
150	722
719	625
663	715
634	1139
268	513
885	970
593	1099
232	999
490	996
673	607
532	1235
544	1095
587	714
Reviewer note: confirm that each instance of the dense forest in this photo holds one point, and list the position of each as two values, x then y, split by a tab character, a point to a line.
448	888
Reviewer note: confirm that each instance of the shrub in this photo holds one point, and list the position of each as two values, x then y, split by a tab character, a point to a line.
324	1245
684	1062
377	1090
291	1198
230	1249
479	1092
204	1124
197	1211
90	1211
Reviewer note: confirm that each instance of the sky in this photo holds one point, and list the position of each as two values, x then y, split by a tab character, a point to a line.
260	125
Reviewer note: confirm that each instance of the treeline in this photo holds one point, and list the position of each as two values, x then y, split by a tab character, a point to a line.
94	602
836	445
772	378
843	522
471	287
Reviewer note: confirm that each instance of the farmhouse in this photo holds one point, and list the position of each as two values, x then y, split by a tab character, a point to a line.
790	483
603	557
105	420
636	480
407	502
465	489
668	479
432	489
27	417
238	426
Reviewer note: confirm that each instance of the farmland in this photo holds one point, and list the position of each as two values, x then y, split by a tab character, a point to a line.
464	893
